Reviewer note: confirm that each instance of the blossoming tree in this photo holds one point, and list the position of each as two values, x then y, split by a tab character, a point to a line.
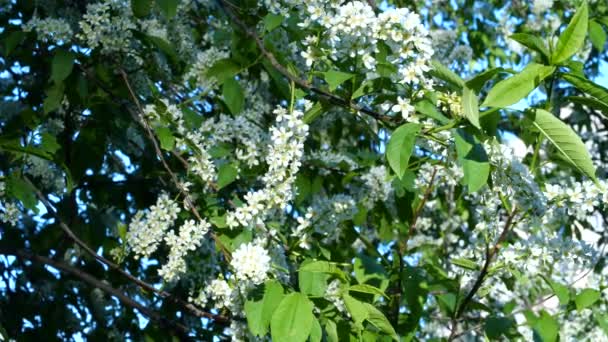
320	170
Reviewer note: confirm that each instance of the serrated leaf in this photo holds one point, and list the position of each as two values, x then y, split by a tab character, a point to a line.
292	320
165	137
561	291
565	140
62	65
259	313
366	288
22	191
377	319
427	108
591	103
443	73
465	263
141	8
233	95
546	328
470	106
588	87
334	78
272	21
586	298
573	37
400	147
532	42
515	88
323	267
473	159
222	70
226	174
478	81
168	7
597	35
316	334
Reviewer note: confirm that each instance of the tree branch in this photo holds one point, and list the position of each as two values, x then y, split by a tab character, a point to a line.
177	328
192	309
490	254
333	98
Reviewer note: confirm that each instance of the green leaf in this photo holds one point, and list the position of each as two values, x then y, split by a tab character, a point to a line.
366	288
323	267
292	320
532	42
22	191
515	88
561	291
586	298
587	87
478	81
602	321
377	319
331	330
312	283
473	159
62	65
272	21
565	141
465	263
334	78
443	73
226	175
573	37
497	326
49	144
141	8
546	328
597	35
259	313
54	97
427	108
400	147
165	137
591	103
223	70
168	7
313	113
233	95
316	334
470	106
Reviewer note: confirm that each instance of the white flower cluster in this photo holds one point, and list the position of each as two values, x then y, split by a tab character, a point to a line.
513	179
378	188
147	229
205	60
450	103
10	213
540	6
324	218
51	30
354	30
283	159
189	239
333	293
251	262
200	162
108	25
50	177
577	199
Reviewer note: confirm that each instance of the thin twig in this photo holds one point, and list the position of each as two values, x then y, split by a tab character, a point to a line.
192	309
179	329
333	98
159	154
490	254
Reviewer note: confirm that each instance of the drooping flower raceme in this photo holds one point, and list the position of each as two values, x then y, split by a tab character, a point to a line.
251	262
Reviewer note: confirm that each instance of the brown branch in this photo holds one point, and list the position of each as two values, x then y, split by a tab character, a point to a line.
159	154
333	98
179	329
192	309
490	254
